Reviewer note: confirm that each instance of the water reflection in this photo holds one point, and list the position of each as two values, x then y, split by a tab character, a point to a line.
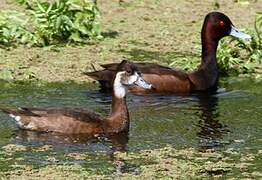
211	129
111	142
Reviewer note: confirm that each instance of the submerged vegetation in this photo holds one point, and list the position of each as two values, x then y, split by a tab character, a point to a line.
45	23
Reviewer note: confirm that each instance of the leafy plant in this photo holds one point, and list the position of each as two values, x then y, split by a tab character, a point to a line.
65	20
12	29
258	28
50	23
234	55
238	56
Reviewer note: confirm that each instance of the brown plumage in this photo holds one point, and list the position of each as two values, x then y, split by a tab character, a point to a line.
78	120
167	80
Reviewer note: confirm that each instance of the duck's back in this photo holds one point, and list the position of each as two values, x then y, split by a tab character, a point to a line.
163	79
62	120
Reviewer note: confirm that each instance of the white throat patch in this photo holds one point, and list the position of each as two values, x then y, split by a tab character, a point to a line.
119	89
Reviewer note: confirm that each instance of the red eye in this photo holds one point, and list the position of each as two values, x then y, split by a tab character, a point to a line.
221	23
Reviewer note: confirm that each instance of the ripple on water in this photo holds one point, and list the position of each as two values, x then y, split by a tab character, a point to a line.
230	118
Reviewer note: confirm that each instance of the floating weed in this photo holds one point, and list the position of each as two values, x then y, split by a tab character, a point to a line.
44	148
13	148
166	162
53	172
77	156
171	163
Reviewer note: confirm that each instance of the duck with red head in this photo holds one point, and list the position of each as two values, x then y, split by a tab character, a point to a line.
166	80
78	120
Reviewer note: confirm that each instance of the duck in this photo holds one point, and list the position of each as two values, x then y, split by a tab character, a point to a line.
166	80
84	121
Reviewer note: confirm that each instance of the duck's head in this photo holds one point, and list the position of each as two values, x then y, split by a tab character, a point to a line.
128	75
217	25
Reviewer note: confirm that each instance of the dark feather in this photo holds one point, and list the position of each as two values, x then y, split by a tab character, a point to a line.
144	68
77	113
21	111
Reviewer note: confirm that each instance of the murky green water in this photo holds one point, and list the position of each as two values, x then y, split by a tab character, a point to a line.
229	119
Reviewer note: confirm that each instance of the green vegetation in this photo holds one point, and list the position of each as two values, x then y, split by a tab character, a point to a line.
156	31
13	29
63	21
130	31
235	56
167	163
241	57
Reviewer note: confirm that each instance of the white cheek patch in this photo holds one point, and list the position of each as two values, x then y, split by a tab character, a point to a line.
119	89
133	78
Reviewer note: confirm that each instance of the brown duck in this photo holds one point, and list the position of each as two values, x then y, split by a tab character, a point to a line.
77	120
166	80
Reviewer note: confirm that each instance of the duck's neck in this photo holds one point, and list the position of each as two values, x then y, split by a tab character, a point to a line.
209	49
119	117
206	76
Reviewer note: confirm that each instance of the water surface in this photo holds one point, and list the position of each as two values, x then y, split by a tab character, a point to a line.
227	119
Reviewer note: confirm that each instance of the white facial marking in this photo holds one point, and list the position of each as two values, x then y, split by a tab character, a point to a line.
142	83
119	89
133	78
18	120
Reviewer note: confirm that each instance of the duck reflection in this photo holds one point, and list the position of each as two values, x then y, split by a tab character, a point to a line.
109	142
211	129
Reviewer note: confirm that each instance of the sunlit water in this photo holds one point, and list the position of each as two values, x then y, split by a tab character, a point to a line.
229	118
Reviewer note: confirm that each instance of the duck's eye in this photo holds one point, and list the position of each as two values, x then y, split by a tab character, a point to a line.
221	23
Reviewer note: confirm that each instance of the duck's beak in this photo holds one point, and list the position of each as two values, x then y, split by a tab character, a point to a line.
236	33
142	83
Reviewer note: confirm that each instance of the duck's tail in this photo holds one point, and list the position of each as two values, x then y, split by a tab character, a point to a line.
105	77
13	114
8	111
20	116
21	111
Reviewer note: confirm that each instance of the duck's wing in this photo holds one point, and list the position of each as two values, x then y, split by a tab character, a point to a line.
76	113
21	111
143	67
105	77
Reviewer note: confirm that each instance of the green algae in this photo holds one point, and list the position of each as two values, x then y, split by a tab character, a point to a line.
12	148
164	163
234	150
